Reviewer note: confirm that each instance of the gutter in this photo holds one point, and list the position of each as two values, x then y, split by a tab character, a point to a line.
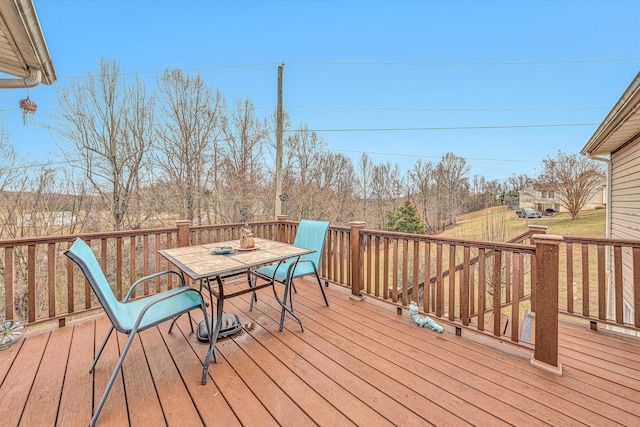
609	179
33	80
611	289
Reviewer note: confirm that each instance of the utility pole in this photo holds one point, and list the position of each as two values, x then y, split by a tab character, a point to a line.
279	145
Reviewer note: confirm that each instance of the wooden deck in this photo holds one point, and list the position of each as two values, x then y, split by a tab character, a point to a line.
356	363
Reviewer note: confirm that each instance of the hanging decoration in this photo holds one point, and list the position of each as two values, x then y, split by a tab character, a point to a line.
28	107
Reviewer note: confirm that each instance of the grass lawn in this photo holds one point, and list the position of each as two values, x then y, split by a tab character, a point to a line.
500	224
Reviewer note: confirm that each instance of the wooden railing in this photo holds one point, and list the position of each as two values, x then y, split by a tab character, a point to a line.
585	292
480	285
39	284
464	282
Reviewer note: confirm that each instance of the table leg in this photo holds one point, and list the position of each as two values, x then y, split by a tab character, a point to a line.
216	329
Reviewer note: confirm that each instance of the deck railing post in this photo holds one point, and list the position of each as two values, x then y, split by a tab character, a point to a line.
282	230
534	229
9	283
184	226
356	272
547	273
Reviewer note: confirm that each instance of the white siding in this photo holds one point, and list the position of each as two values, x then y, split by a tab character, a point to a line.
625	207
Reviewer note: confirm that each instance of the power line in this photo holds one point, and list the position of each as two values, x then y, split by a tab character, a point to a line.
449	128
381	63
466	64
328	107
432	157
215	67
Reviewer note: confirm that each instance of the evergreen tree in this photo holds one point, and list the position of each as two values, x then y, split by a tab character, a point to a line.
404	220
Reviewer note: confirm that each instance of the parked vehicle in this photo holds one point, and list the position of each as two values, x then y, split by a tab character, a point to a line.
549	212
529	213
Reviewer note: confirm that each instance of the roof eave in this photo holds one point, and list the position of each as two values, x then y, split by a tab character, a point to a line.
627	105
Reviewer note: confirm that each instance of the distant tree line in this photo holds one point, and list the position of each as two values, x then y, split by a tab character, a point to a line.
142	158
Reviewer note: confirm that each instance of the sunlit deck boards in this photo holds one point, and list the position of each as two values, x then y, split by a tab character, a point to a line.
357	363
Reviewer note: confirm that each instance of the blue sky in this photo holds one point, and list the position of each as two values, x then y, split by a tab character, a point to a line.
501	83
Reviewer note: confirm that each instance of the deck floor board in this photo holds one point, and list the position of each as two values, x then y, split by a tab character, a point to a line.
356	363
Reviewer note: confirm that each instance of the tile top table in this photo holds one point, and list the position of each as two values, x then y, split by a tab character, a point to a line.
200	263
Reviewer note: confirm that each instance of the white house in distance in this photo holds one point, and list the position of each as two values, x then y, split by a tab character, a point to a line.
618	140
541	198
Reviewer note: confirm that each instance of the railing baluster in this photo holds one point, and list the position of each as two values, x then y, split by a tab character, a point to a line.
452	282
376	266
472	289
339	258
132	263
497	293
464	286
585	280
385	281
515	302
482	292
87	289
507	278
169	245
51	278
617	256
569	250
416	270
405	272
602	283
369	267
394	289
31	282
439	291
71	291
158	262
426	293
145	262
119	269
9	283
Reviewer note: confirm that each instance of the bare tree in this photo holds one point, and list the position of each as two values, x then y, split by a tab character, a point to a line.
452	186
387	189
188	139
244	184
338	175
422	181
573	178
363	183
304	164
106	125
483	193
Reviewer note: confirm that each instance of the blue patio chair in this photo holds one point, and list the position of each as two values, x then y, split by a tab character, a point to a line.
134	316
310	235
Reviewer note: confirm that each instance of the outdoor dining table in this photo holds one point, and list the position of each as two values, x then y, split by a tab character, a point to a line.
202	263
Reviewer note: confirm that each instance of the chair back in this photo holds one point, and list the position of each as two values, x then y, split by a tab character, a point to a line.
311	235
83	256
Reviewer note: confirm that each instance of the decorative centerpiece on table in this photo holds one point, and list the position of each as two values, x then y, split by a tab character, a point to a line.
246	238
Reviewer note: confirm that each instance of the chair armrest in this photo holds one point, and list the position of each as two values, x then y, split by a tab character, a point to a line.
157	299
149	277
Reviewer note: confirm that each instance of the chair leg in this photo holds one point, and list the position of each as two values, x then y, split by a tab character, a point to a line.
93	365
175	319
254	296
112	380
326	301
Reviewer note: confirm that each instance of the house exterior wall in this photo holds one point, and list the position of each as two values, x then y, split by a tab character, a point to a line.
537	199
625	211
